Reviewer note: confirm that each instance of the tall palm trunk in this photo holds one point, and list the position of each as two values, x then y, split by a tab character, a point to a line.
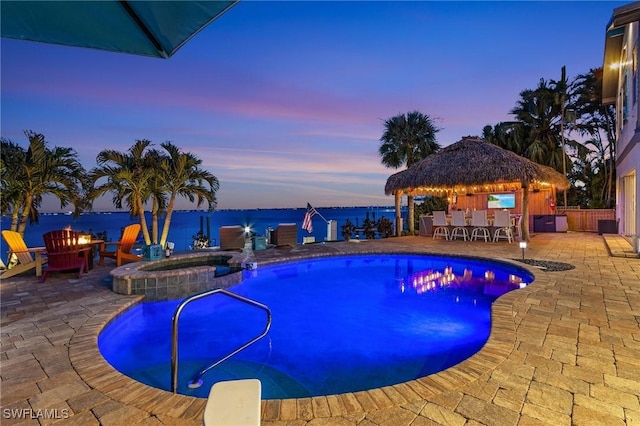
154	222
14	218
604	190
143	223
167	222
25	214
12	260
610	134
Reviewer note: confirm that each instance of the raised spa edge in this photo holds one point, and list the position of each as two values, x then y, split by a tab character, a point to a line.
180	275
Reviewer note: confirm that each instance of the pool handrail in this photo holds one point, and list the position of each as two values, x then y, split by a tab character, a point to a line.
174	334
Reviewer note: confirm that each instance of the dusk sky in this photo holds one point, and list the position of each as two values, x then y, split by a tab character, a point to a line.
285	101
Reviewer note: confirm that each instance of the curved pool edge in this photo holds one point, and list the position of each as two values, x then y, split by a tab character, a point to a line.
88	362
98	374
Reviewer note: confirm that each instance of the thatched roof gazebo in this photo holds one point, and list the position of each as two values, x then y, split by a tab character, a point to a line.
470	163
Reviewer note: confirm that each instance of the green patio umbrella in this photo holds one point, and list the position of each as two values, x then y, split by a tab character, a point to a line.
149	28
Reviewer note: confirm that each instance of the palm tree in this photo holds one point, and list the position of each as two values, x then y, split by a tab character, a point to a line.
407	139
27	176
147	176
541	117
153	160
184	177
128	177
540	113
598	123
509	135
12	160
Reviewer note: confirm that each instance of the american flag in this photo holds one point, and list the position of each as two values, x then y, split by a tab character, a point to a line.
306	223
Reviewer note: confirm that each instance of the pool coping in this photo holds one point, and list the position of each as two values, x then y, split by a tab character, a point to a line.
94	370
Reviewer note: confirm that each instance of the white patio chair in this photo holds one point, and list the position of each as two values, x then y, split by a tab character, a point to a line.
459	224
502	225
516	222
440	226
480	225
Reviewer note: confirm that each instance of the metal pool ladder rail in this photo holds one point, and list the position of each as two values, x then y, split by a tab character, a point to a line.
196	382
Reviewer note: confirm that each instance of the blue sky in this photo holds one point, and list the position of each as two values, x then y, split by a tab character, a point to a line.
285	101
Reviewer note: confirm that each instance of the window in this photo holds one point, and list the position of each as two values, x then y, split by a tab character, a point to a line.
634	93
625	97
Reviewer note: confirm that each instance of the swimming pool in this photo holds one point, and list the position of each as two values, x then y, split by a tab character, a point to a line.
340	324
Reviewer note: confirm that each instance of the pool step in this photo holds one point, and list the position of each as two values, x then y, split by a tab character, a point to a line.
233	402
274	384
222	270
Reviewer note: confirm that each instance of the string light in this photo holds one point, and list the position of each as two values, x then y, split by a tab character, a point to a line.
463	189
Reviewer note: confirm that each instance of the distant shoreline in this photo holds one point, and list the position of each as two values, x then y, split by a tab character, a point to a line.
66	212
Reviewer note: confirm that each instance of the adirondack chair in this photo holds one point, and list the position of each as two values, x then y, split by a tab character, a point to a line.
122	252
65	253
26	260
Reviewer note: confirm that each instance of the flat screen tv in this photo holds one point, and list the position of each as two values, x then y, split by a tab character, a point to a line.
501	201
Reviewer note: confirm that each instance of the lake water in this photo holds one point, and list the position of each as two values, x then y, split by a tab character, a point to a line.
184	224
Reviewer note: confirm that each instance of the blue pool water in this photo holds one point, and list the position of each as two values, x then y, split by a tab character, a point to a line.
340	324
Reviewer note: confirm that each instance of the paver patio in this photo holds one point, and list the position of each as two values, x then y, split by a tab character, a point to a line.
565	350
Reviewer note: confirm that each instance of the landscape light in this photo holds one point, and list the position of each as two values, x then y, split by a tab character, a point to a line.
523	245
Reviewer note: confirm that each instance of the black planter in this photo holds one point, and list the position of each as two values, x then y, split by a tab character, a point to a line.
607	226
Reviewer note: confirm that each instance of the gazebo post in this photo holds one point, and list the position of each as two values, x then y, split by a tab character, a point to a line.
398	195
524	223
411	213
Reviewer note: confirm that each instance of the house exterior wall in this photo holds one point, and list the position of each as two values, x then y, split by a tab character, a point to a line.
628	131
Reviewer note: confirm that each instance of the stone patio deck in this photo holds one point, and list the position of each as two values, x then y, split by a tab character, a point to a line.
565	350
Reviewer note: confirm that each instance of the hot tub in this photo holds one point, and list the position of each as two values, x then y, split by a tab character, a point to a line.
180	275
